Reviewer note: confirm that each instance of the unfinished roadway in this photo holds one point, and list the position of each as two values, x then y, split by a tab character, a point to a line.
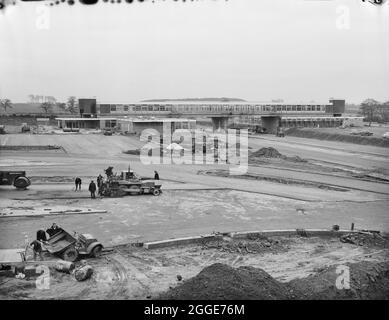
192	204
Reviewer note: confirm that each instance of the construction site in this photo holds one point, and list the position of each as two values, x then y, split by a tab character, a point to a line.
303	208
166	151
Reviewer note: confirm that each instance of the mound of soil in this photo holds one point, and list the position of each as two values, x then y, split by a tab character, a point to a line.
222	282
342	137
274	154
135	152
368	281
266	153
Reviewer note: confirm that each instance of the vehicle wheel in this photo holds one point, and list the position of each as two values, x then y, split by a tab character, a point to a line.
70	254
96	252
21	182
156	192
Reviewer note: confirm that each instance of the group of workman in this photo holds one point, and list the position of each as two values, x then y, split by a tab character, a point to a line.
92	185
41	238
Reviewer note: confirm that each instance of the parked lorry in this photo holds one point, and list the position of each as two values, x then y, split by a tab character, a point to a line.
16	178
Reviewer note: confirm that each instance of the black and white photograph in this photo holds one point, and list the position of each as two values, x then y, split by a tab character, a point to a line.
216	152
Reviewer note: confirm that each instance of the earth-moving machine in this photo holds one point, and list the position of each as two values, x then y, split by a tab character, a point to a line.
128	183
69	247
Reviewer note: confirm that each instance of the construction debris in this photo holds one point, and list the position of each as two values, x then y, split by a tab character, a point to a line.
83	272
365	239
250	246
64	266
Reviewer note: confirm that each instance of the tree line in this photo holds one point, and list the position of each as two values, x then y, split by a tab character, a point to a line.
48	105
374	111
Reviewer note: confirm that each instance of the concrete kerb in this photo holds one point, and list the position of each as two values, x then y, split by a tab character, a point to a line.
291	232
182	241
247	234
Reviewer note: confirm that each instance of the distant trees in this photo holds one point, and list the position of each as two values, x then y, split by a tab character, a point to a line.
47	107
372	110
39	98
61	106
71	105
5	104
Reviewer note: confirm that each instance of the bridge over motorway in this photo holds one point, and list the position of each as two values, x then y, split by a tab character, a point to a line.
270	114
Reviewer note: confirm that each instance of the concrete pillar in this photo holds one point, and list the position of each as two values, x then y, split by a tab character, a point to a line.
220	123
271	123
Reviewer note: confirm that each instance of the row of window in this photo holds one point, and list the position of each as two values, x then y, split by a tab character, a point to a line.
107	108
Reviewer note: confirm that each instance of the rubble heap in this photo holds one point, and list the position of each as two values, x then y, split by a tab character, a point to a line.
365	239
250	246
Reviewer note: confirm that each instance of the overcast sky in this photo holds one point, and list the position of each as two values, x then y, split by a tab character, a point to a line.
252	49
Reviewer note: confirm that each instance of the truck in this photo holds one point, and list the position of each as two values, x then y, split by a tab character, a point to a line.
69	247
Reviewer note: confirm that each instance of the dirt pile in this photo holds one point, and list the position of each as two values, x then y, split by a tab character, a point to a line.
272	153
253	246
267	153
342	137
368	281
371	239
135	152
222	282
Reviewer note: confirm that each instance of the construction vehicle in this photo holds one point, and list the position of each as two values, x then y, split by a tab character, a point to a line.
128	183
108	132
16	178
69	247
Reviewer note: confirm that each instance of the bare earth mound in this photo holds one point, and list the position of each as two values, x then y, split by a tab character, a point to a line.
222	282
368	281
269	152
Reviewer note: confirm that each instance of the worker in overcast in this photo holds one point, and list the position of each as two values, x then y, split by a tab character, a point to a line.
78	183
92	189
99	183
156	175
37	249
53	230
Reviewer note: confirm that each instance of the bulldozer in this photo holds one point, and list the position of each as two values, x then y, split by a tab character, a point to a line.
128	183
